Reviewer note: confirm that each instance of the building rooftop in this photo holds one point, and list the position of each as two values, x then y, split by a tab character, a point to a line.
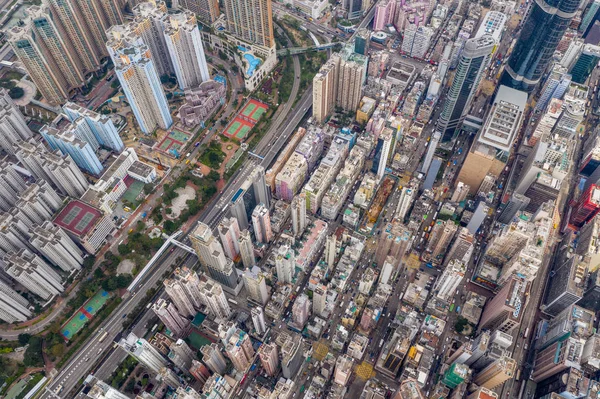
78	217
141	169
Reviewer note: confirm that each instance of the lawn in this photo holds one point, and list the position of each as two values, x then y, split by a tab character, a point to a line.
213	156
198	341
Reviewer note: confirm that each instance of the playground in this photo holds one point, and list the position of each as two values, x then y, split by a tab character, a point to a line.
89	309
198	341
253	110
174	142
245	120
134	189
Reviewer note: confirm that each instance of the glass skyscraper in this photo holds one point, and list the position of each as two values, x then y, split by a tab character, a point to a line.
542	31
474	60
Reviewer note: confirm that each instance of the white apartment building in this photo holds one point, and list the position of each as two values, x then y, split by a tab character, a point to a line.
179	296
150	21
229	233
13	307
247	249
417	40
299	214
334	199
33	273
184	42
285	264
261	222
11	185
38	203
12	124
61	172
258	320
144	352
215	299
256	285
168	314
52	242
450	279
139	78
324	91
190	283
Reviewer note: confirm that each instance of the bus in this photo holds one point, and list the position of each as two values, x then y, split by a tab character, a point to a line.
526	333
103	336
380	343
518	375
452	308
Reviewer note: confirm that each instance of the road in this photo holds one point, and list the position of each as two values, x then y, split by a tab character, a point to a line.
268	148
532	313
106	364
78	367
151	201
80	364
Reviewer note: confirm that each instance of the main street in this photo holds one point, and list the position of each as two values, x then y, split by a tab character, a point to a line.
79	365
284	124
271	144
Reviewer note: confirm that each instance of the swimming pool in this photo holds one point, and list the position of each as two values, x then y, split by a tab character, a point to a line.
253	63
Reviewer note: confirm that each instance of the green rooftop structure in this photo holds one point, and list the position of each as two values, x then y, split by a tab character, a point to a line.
587	61
455	375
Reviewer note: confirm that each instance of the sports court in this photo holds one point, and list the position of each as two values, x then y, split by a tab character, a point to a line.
134	188
173	142
238	128
254	110
198	341
78	217
245	120
84	314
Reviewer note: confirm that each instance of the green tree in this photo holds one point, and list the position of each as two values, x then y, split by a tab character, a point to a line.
123	280
130	385
460	324
57	350
98	273
123	249
140	226
213	175
16	93
24	339
148	188
33	354
170	227
89	261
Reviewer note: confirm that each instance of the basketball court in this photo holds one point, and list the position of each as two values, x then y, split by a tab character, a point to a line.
173	142
87	312
198	341
254	110
245	120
